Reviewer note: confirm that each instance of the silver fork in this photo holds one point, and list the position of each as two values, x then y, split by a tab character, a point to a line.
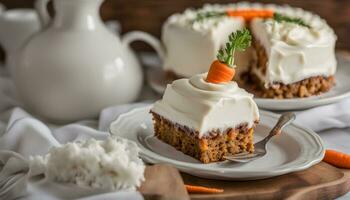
260	147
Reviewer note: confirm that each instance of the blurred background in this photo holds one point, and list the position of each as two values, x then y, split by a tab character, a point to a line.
148	15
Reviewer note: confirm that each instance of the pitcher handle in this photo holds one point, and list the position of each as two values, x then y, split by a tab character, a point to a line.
41	8
145	37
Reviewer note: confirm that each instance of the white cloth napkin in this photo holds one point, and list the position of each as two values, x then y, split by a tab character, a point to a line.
325	117
26	136
22	135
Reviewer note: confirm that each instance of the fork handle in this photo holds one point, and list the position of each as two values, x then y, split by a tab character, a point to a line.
284	120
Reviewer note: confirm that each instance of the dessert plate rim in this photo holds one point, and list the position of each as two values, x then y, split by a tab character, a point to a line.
333	96
129	124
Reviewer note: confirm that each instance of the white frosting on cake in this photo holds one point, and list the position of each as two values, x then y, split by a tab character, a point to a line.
191	47
203	106
295	52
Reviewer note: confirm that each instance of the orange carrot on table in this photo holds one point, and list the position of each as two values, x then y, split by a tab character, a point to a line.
202	190
337	158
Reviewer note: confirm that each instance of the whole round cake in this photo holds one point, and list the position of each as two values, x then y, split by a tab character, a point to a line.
293	52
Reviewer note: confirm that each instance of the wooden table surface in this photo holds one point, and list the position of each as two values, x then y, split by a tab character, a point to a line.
320	182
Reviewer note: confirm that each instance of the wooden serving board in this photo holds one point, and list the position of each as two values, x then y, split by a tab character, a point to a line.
163	182
319	182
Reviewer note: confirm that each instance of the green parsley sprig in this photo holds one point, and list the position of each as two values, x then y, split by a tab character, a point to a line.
201	16
238	41
283	18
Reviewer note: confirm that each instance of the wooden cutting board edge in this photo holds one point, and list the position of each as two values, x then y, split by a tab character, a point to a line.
163	182
328	190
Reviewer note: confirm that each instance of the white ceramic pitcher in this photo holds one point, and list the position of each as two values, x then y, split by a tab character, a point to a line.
2	8
75	67
16	27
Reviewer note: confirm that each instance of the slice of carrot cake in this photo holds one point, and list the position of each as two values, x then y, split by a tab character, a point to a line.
208	116
295	55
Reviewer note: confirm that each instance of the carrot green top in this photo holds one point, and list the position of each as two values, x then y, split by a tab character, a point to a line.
295	20
238	41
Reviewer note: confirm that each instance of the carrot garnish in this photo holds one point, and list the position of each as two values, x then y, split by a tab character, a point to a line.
219	72
249	14
337	158
222	70
202	190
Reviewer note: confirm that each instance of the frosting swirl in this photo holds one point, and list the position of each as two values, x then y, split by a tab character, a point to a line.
198	87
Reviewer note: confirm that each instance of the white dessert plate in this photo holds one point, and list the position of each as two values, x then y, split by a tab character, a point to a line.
341	91
296	149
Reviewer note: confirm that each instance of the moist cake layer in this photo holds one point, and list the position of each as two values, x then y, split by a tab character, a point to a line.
305	88
207	149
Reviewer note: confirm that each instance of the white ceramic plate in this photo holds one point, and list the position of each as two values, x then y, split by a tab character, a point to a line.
296	149
341	91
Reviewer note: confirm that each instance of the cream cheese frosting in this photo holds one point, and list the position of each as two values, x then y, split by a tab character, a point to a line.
204	106
294	52
192	46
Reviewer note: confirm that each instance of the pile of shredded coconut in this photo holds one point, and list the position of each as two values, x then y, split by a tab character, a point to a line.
112	164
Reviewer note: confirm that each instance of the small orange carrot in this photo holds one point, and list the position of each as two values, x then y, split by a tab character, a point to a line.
222	70
337	158
202	190
220	73
249	14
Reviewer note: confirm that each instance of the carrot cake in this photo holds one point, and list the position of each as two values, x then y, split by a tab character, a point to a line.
295	56
208	116
293	51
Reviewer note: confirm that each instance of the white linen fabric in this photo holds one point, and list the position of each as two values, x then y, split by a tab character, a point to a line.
22	136
326	117
26	136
